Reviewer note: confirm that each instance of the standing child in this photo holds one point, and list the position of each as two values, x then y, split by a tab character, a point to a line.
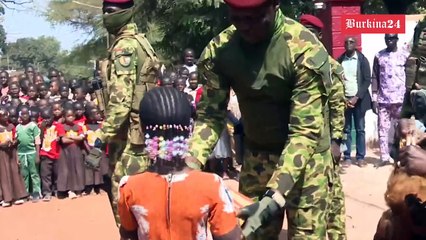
35	114
64	92
50	152
43	91
42	104
80	95
54	91
13	115
80	118
72	141
32	95
11	182
94	178
57	112
13	93
28	152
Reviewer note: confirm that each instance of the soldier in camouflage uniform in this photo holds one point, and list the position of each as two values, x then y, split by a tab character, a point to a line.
334	124
415	68
130	72
282	77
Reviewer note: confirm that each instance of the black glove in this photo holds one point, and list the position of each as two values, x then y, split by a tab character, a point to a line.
375	107
258	214
96	83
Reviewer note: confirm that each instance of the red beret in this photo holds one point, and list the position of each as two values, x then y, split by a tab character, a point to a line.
307	19
118	1
245	3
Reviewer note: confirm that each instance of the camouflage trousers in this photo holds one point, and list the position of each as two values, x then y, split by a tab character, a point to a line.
126	159
336	227
306	204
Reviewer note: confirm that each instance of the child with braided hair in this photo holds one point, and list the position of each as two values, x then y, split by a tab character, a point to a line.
193	199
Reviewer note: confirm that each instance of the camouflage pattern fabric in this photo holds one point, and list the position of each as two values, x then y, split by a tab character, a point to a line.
337	101
336	218
336	213
126	157
306	203
282	87
415	69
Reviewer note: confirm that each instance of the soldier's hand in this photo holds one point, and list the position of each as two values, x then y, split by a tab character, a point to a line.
193	163
256	215
335	151
375	107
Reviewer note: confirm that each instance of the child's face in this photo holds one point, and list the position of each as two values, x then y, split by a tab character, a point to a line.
13	117
24	114
54	88
95	115
3	116
64	92
3	78
42	103
38	80
193	82
57	110
32	92
42	91
69	116
14	90
185	73
79	94
173	76
189	58
79	110
48	119
180	84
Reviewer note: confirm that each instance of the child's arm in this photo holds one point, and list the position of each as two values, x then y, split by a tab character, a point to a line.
67	140
37	140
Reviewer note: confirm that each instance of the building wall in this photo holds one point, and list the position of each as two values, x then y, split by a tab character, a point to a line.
373	43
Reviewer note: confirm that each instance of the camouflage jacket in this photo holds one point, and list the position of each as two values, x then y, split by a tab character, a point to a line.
282	86
415	67
121	85
334	114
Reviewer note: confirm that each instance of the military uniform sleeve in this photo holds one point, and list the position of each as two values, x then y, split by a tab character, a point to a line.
337	102
120	87
306	123
211	110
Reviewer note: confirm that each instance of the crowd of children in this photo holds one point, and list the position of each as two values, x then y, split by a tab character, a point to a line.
45	132
48	127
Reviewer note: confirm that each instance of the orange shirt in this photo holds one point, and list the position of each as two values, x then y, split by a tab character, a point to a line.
177	210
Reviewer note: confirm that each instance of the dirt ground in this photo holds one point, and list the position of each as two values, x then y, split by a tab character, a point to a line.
90	217
86	218
364	191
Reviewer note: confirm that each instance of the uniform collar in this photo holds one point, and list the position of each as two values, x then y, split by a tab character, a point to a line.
130	28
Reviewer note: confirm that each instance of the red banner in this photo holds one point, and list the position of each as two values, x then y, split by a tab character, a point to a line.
383	23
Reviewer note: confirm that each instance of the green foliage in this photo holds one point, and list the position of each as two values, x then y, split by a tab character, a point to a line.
43	52
83	15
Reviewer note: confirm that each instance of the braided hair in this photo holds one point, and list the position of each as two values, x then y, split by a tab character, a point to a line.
165	115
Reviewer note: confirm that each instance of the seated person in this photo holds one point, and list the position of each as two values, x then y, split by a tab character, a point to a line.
170	201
